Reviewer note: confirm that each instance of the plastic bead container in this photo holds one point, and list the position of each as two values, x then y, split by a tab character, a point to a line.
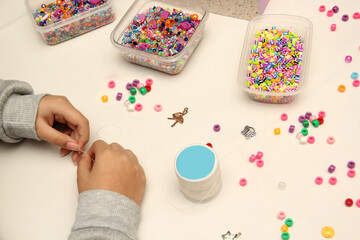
173	63
295	24
87	20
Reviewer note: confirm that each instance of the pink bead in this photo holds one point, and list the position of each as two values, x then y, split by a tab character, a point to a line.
111	84
259	163
351	173
356	83
252	158
332	180
356	15
140	85
281	215
358	203
284	116
311	139
312	118
333	27
330	13
348	59
149	81
158	108
322	114
322	8
330	140
318	180
259	155
138	107
243	182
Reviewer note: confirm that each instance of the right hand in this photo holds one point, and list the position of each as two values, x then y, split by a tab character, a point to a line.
114	169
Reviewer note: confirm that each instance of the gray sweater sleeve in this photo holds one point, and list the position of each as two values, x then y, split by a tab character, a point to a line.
18	110
105	215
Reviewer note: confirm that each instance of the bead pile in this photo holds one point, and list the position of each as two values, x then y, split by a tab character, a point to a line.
257	158
159	31
275	61
285	228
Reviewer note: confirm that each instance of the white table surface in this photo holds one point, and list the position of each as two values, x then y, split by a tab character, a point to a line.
38	192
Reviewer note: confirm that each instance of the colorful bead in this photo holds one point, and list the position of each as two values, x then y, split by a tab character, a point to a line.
135	82
119	96
322	8
302	140
332	180
111	84
341	88
299	135
285	235
348	59
132	99
321	120
330	140
331	168
252	158
281	215
277	131
322	114
158	107
209	145
243	182
318	180
330	13
308	115
349	202
358	203
284	116
129	86
149	81
216	127
312	118
143	90
345	17
354	75
127	103
302	118
138	107
140	85
356	83
259	155
356	15
291	128
315	123
104	98
351	164
335	9
311	139
148	88
327	232
284	228
333	27
289	222
351	173
259	163
131	108
133	91
306	123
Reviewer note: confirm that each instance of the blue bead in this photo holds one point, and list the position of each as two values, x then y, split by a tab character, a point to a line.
354	75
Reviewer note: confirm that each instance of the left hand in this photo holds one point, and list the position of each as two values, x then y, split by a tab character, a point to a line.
59	109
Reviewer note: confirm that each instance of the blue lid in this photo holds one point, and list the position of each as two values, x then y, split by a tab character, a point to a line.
195	162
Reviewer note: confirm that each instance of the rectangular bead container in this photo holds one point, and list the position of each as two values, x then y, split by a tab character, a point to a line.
167	25
61	20
275	58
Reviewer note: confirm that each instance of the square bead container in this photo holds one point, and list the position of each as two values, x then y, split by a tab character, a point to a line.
68	19
280	73
174	55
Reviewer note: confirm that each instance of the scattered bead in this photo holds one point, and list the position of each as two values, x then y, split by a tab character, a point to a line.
104	98
252	158
351	164
322	8
328	232
291	128
140	85
335	9
312	118
289	222
319	180
281	215
299	135
322	114
306	123
354	75
308	115
356	83
135	82
158	107
321	120
127	103
216	127
330	13
259	155
259	163
129	86
131	108
315	123
356	15
111	84
209	145
333	27
142	90
119	96
303	140
341	88
358	203
285	235
148	88
332	180
302	118
311	139
348	59
284	228
133	91
132	99
331	168
345	17
284	116
149	81
282	185
351	173
349	202
304	132
243	182
330	140
277	131
138	107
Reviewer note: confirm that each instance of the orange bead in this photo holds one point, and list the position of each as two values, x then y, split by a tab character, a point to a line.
165	32
277	131
341	88
284	228
194	17
104	98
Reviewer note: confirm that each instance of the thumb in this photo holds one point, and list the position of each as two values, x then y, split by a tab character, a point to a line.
84	169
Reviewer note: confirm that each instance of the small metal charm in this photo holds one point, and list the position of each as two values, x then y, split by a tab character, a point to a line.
248	132
230	236
178	117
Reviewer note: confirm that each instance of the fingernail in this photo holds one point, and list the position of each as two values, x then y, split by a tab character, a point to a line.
72	146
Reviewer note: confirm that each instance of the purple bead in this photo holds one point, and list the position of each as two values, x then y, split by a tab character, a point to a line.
351	164
119	96
135	82
335	9
216	127
308	115
301	118
129	86
291	128
345	17
331	169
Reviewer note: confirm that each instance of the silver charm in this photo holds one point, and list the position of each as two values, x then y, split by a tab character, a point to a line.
230	236
248	132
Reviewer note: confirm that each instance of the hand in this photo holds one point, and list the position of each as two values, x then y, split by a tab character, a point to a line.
59	109
114	169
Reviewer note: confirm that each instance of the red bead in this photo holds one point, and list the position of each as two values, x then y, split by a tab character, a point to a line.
321	120
209	144
349	202
148	88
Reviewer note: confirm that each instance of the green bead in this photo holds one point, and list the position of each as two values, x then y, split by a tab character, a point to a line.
133	91
285	235
143	90
132	99
304	132
306	123
315	123
289	222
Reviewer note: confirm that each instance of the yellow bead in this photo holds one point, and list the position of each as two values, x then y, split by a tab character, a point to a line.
104	98
328	232
277	131
284	228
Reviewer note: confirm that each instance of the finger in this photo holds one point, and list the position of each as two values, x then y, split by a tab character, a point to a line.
116	146
84	168
131	155
97	147
64	152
